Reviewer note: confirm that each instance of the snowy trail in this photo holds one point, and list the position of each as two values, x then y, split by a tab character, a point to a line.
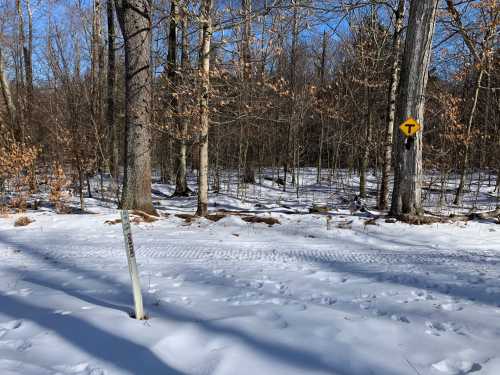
337	303
260	251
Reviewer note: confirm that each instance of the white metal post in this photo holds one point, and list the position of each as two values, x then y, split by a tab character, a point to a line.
132	266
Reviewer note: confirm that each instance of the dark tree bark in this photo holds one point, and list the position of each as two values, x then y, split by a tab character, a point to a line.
246	56
134	17
110	95
28	66
181	187
322	68
391	105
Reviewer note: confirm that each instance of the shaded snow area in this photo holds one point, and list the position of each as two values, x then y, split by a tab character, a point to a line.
238	298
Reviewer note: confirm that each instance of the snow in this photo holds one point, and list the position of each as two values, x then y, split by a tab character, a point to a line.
231	297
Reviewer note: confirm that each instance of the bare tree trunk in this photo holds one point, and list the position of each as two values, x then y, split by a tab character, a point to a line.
95	89
290	144
110	99
181	188
206	26
407	192
249	154
20	72
366	146
465	157
391	108
28	67
134	17
185	65
80	181
171	73
7	95
320	151
322	69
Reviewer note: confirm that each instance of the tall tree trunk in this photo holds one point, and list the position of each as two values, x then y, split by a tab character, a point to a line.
246	57
290	144
20	75
134	17
110	95
206	26
322	69
366	144
7	95
465	157
95	89
28	67
181	186
407	192
391	105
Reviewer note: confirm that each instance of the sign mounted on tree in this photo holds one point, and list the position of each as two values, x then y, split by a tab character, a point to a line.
410	127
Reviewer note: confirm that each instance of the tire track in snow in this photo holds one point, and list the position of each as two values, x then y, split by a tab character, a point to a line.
280	254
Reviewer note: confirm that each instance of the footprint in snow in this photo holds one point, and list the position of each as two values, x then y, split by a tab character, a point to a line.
242	283
400	318
455	366
475	280
298	306
422	295
79	369
326	332
268	315
256	284
18	345
364	306
21	292
378	312
62	312
436	328
450	307
279	324
323	299
390	293
12	367
274	319
327	300
9	326
278	301
13	324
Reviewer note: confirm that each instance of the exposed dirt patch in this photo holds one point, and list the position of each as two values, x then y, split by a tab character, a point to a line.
23	221
216	216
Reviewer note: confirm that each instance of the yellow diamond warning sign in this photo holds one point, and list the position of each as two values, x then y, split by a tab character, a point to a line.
410	127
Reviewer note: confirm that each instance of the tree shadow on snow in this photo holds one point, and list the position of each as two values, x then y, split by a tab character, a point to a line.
293	356
114	348
106	346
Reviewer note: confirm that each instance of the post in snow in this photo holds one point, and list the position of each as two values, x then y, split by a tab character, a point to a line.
132	266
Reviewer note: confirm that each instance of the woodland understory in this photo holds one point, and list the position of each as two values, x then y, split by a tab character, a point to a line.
123	94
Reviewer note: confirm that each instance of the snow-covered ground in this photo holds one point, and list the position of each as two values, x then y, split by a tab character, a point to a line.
310	295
